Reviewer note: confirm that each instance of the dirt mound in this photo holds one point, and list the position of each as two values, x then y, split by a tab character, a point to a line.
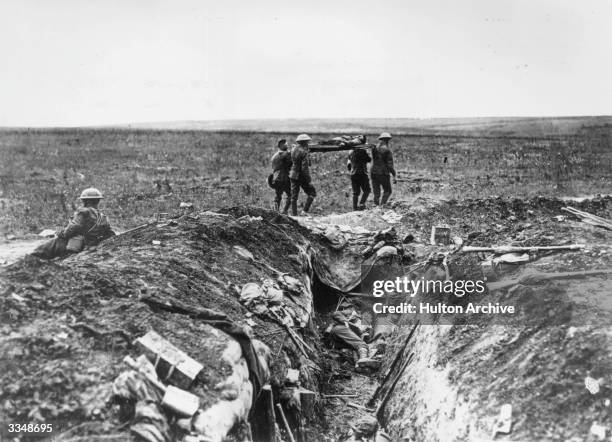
68	324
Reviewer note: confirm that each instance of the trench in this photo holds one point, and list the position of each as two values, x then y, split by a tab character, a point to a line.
443	379
449	378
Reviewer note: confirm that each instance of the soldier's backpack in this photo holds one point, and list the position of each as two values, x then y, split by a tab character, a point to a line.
99	231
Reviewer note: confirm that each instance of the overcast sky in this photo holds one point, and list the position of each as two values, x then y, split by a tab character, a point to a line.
89	62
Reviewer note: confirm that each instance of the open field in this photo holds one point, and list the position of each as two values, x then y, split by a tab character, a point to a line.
67	324
146	171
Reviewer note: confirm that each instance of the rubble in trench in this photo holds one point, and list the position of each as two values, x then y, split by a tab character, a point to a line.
542	374
68	325
204	285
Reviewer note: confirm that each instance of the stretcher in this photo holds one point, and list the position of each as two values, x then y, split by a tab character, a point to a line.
332	148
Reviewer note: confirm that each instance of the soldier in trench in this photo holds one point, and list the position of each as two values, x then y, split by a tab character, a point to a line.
349	335
88	227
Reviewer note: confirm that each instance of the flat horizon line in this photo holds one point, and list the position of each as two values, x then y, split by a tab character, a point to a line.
299	119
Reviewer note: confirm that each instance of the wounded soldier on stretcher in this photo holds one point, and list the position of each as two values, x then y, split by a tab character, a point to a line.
347	330
88	227
345	140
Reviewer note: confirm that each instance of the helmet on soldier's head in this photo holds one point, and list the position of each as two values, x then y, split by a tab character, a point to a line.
303	137
339	317
91	194
385	136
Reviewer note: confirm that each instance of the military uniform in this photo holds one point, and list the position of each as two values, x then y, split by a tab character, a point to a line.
342	332
300	178
381	171
358	162
87	222
281	165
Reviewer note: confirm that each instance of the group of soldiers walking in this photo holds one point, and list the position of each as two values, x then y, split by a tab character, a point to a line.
291	172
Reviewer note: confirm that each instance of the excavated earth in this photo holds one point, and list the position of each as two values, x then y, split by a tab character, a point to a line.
67	324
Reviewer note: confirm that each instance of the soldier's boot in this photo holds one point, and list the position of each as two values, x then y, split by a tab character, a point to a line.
355	202
294	207
385	198
364	198
363	358
286	208
365	362
308	203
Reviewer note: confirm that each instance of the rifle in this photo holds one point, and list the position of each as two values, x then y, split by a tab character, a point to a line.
499	250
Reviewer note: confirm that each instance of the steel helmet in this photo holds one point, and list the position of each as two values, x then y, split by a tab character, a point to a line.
303	137
91	194
339	317
385	136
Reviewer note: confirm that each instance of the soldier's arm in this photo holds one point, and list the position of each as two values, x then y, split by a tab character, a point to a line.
390	162
75	226
306	167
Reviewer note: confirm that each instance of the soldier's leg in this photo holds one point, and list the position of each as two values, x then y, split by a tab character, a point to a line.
365	188
376	189
356	187
311	192
51	249
295	192
277	198
348	337
287	192
386	185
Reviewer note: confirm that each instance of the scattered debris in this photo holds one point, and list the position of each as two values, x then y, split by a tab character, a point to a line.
440	235
293	376
408	238
178	401
499	250
386	251
285	423
392	217
335	237
511	258
599	431
588	218
365	427
16	297
243	253
173	364
591	384
503	423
